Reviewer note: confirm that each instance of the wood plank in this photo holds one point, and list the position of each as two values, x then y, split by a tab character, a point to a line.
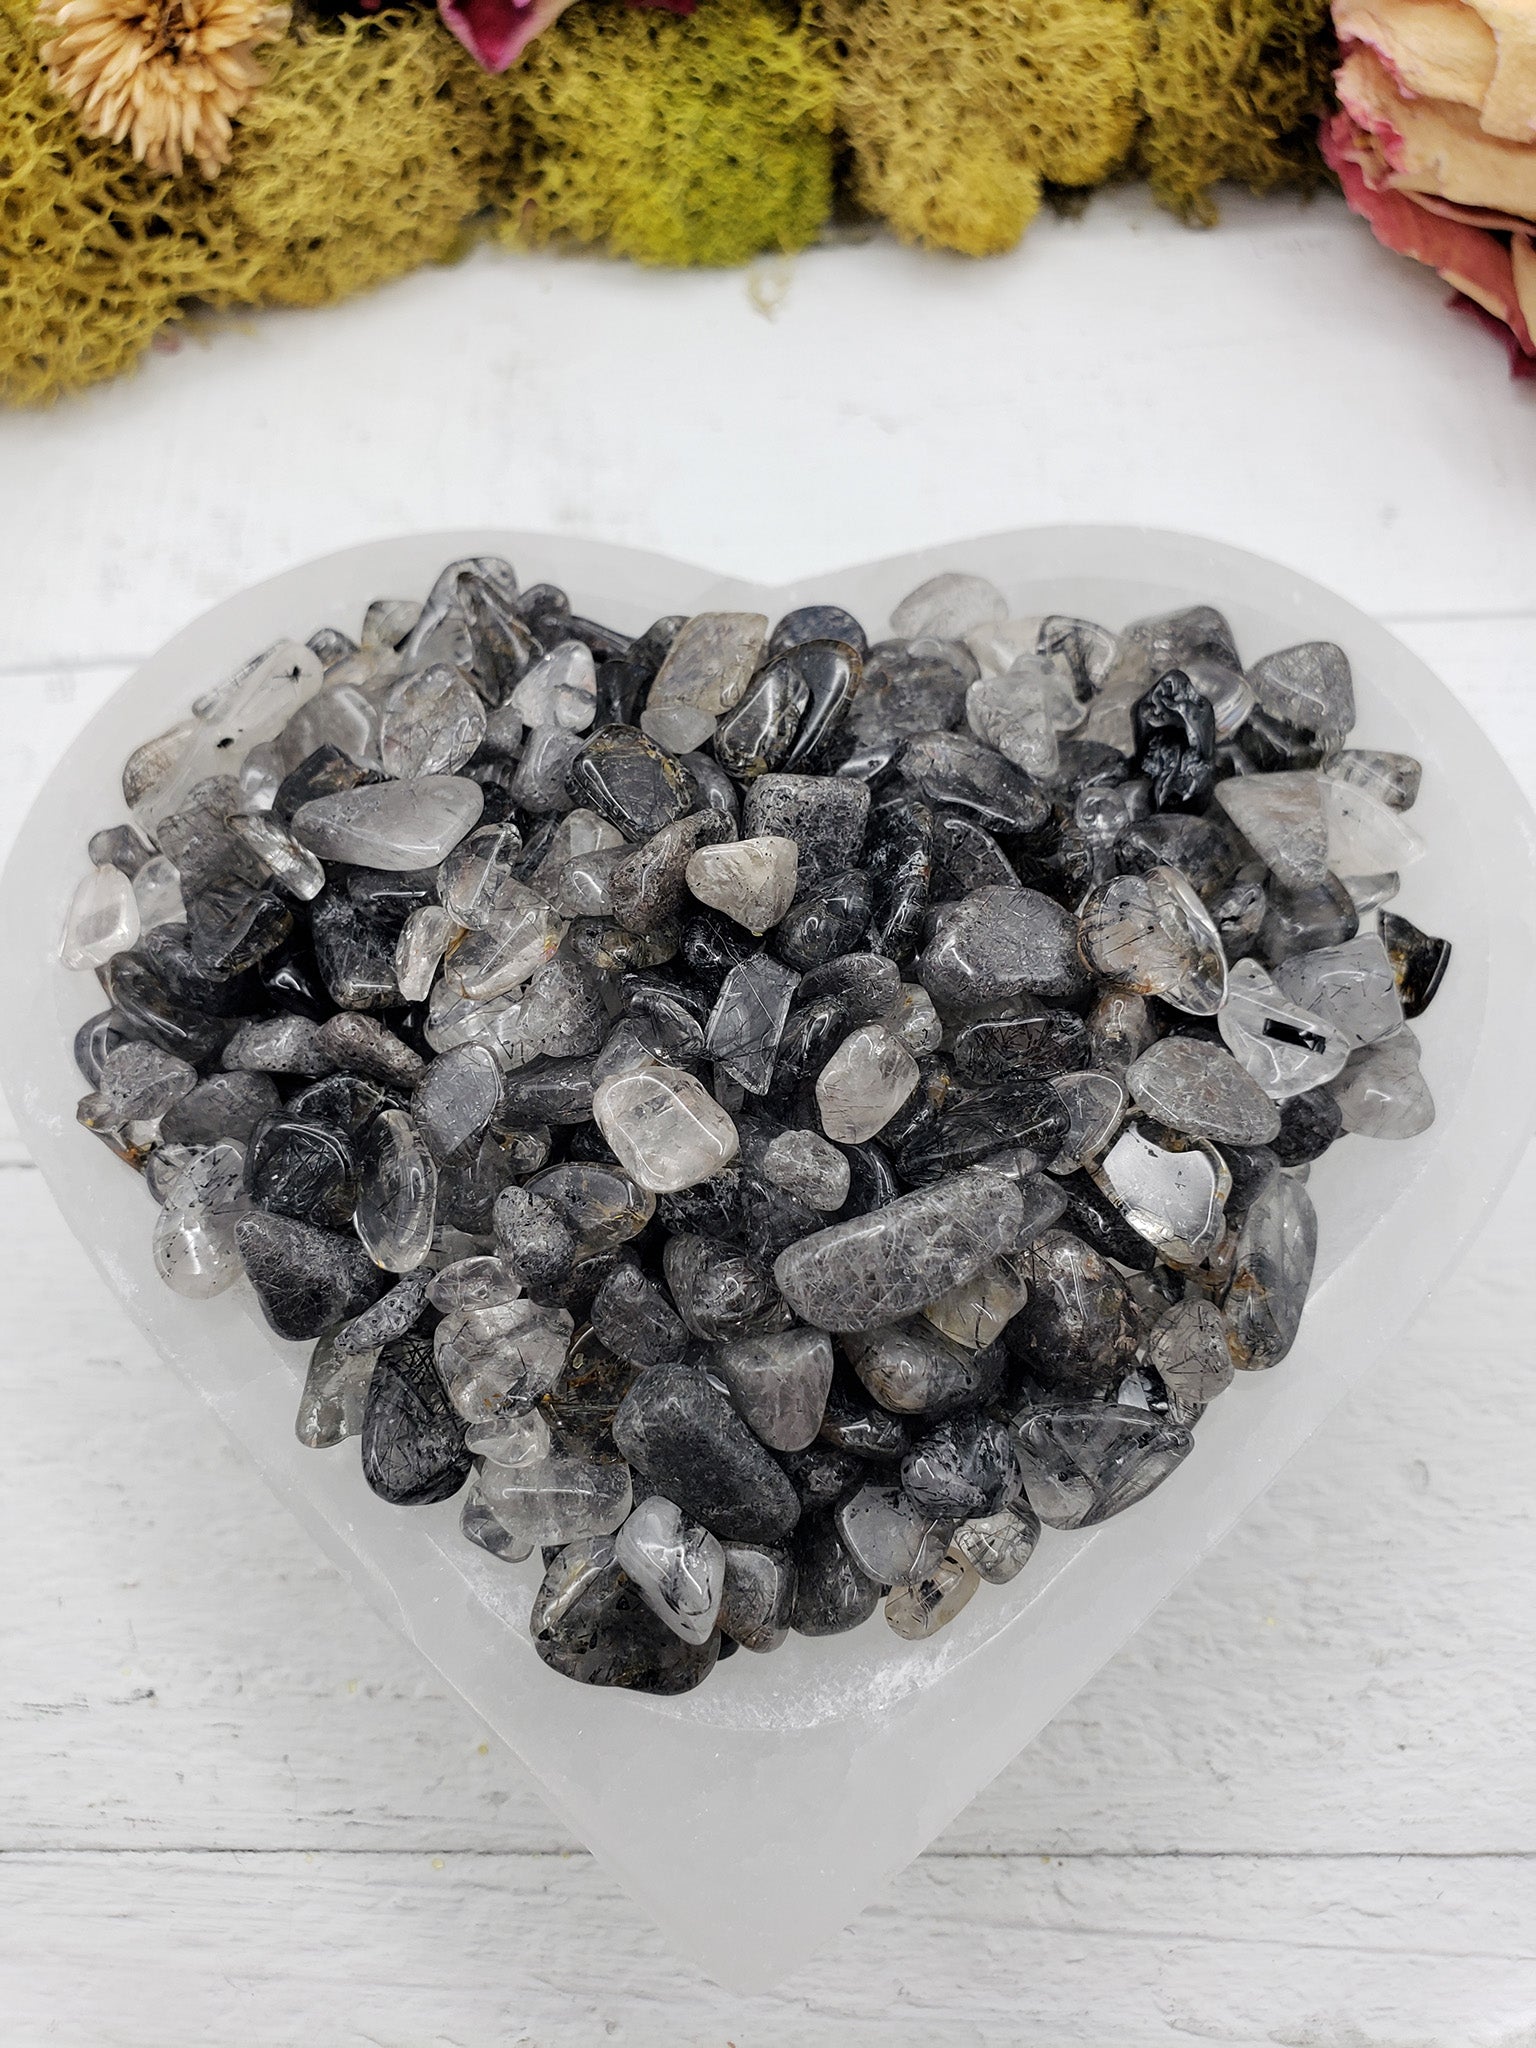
198	1951
1282	384
1353	1668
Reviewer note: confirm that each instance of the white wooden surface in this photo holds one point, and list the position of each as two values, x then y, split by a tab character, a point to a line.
1300	1808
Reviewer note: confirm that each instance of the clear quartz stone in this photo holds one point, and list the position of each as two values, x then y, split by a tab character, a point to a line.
1094	1103
579	832
1351	987
1393	779
1152	936
1365	836
194	1234
973	1312
678	1566
889	1537
103	919
432	721
479	1281
707	669
397	826
999	1545
254	705
501	1358
915	1021
1286	1049
751	880
539	784
513	1439
1281	817
424	938
1369	892
557	1498
480	868
1173	1198
1271	1273
503	956
1020	713
665	1128
1382	1093
949	606
560	689
779	1384
1083	1462
863	1085
292	866
809	1168
335	1395
921	1609
157	891
1200	1089
397	1199
478	1525
138	1083
999	645
1188	1350
343	715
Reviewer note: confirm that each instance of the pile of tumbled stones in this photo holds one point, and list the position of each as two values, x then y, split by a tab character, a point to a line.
769	1120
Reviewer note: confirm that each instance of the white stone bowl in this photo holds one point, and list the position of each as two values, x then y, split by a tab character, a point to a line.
754	1817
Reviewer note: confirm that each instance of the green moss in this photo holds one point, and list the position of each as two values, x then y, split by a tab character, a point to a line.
678	140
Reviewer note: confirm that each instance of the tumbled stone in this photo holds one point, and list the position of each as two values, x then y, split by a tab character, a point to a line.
864	1083
629	780
195	1247
747	1021
665	1128
306	1279
504	956
363	1046
1351	987
824	815
432	721
832	1593
779	1383
521	1438
1365	837
558	1498
413	1443
1188	1351
1174	726
1300	920
335	1396
397	1194
1095	1103
1172	1198
398	826
912	1369
1286	1049
1393	779
391	1316
678	1566
558	689
877	1268
478	1525
223	1106
476	1282
973	1312
1013	1113
1038	1047
947	607
646	888
1271	1272
1000	942
533	1240
1019	712
953	768
541	783
684	1436
278	1045
456	1098
1152	935
103	919
721	1293
1309	686
1381	1093
755	737
998	1546
751	880
502	1357
1281	817
1084	1463
1120	1029
471	881
1199	1088
296	1167
1418	962
890	1536
634	1318
759	1595
920	1609
1078	1332
963	1468
601	1207
808	1167
1309	1124
828	921
707	668
590	1623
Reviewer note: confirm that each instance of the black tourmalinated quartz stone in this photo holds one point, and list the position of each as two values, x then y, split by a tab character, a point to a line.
413	1443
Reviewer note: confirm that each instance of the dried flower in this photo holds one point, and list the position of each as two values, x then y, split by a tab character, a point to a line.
496	32
169	76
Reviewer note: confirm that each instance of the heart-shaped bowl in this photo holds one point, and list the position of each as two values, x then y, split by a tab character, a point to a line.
754	1817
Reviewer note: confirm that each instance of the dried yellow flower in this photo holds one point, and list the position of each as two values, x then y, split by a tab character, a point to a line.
169	76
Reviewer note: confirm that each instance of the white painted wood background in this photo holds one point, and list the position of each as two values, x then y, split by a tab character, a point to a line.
1300	1808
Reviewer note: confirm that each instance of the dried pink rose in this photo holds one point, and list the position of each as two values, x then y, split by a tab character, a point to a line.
496	32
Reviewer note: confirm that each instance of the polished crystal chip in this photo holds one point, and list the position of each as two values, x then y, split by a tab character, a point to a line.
808	1167
679	1430
974	1312
139	1082
1151	935
759	1595
1188	1350
1083	1463
1000	942
335	1395
915	1021
747	1021
424	938
948	607
1285	1048
863	1085
479	1526
1078	1332
912	1369
921	1609
707	668
1350	987
397	1201
559	689
665	1128
483	866
1199	1088
194	1234
882	1266
157	891
1174	1199
1369	892
254	705
479	1281
779	1383
1393	779
397	826
1271	1272
103	919
1308	687
393	1315
432	721
751	880
678	1566
1381	1092
510	1439
1095	1103
293	867
1225	688
503	956
1365	836
1281	817
889	1537
556	1499
361	1045
999	1546
502	1357
1019	713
